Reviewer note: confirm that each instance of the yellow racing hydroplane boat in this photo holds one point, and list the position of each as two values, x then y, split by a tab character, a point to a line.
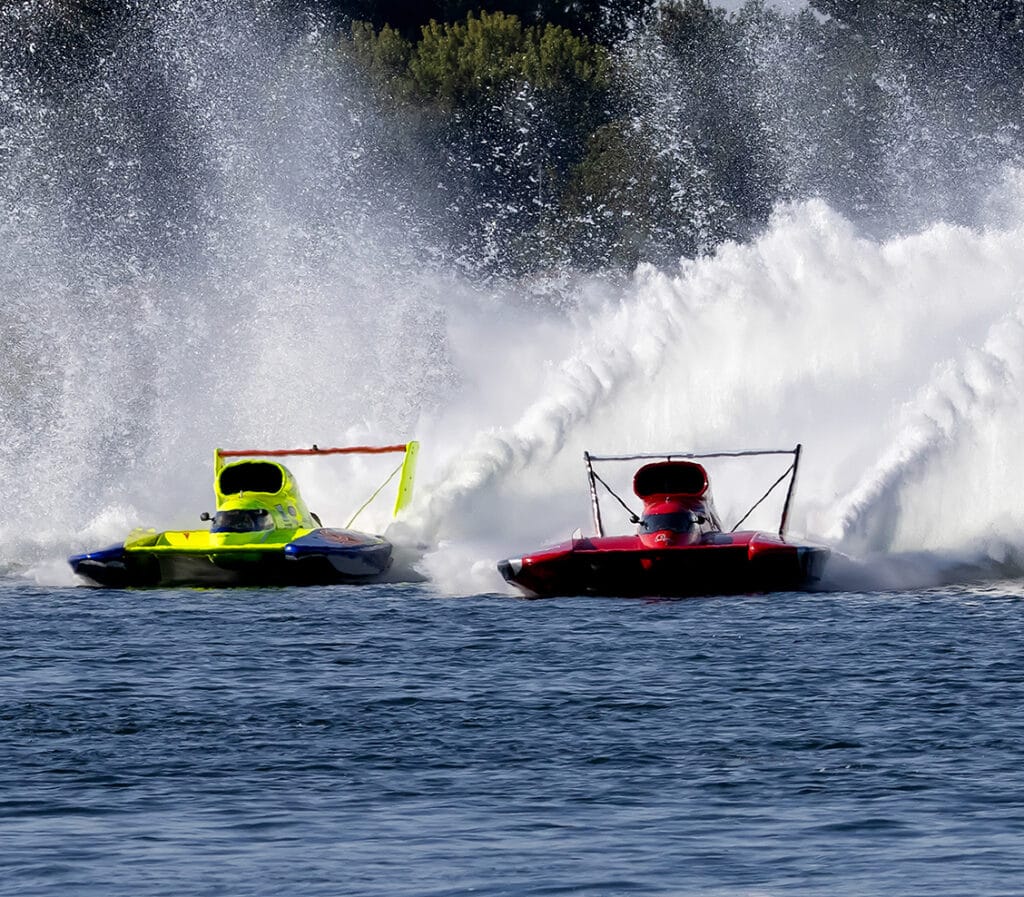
261	534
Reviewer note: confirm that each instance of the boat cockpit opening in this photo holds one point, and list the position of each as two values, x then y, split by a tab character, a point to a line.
242	520
251	476
684	522
670	477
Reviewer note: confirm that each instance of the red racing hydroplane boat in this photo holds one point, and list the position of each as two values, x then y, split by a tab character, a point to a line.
681	548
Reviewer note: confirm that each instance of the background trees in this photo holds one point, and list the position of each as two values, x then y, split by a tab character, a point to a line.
594	19
599	134
503	111
619	144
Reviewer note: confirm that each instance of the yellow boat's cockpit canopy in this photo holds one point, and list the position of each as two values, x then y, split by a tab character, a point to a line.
258	495
241	520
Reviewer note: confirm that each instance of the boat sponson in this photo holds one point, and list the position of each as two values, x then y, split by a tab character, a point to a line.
317	557
620	566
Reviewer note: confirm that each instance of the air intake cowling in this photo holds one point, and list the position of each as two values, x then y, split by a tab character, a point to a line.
671	478
251	476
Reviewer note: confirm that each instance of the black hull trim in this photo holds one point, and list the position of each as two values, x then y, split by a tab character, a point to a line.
143	570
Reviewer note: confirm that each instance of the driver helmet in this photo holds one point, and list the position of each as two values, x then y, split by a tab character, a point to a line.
670	523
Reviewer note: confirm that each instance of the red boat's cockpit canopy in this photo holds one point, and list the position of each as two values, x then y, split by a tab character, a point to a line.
680	527
676	500
675	522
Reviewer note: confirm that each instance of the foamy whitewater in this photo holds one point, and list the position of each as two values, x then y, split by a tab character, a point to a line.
312	317
897	365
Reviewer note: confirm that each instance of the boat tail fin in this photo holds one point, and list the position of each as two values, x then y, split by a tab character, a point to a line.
408	478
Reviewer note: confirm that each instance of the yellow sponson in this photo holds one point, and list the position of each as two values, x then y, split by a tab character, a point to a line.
203	542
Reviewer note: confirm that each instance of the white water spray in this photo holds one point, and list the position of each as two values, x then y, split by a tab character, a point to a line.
809	334
290	304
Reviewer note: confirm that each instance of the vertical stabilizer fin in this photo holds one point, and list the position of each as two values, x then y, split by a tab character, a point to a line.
408	478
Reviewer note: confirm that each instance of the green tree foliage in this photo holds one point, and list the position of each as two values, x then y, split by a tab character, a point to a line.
680	169
382	55
504	110
460	64
721	116
464	59
461	61
596	20
547	131
618	200
691	130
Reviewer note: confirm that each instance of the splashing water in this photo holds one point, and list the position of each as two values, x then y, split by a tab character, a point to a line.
894	363
257	283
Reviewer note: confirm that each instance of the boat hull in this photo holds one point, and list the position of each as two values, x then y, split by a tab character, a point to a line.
740	564
320	557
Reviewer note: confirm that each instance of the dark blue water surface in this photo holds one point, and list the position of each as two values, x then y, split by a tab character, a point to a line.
383	741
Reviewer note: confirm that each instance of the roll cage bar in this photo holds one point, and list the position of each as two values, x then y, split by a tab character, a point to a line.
407	467
593	478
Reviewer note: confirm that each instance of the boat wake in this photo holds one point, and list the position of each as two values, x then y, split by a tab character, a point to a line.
916	570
